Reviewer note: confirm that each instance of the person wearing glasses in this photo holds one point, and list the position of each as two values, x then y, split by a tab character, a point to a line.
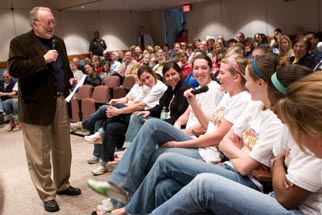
39	60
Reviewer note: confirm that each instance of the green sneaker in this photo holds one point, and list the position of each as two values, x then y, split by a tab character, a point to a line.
108	189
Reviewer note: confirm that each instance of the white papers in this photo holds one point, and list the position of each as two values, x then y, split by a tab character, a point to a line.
318	66
79	84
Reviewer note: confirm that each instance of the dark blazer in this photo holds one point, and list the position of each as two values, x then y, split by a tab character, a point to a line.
175	99
307	60
37	82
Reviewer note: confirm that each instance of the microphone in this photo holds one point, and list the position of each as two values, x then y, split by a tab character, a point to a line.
200	90
53	43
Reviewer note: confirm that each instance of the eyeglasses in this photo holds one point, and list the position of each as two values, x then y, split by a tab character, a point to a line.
5	77
47	23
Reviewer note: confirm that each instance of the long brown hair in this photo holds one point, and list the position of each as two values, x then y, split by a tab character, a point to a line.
301	108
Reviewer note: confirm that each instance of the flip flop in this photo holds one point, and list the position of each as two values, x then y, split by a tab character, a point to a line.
17	128
10	128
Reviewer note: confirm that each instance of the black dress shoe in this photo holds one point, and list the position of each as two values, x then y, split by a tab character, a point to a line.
70	191
51	206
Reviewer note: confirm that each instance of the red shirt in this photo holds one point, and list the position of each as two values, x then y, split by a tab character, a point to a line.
186	70
98	70
182	39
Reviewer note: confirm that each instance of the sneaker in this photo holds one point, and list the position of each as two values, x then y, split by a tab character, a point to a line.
94	138
104	208
93	160
108	189
76	126
106	201
99	170
106	205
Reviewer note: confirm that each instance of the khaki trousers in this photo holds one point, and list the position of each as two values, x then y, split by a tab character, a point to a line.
48	152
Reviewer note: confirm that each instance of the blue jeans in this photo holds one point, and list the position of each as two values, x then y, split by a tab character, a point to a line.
136	122
100	114
144	150
11	108
181	170
93	123
1	106
216	194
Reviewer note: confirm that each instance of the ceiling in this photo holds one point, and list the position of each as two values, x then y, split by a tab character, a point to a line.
120	5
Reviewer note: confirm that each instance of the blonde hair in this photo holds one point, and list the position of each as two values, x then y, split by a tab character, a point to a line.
241	63
220	44
234	50
289	52
301	108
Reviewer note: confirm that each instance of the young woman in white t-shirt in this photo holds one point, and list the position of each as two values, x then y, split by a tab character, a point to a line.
299	185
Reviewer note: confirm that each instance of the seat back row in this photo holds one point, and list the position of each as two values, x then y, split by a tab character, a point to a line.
89	98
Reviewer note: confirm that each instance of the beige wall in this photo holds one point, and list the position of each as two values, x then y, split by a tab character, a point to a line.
227	17
119	29
78	29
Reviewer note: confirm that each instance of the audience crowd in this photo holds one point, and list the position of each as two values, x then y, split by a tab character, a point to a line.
179	152
210	155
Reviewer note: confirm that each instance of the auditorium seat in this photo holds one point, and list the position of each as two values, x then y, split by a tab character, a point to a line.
101	95
84	91
121	91
112	82
265	178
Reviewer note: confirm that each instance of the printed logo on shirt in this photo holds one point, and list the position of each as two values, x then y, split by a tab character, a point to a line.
288	153
287	157
217	116
250	138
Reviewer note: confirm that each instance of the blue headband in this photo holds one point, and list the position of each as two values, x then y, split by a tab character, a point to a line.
259	73
277	84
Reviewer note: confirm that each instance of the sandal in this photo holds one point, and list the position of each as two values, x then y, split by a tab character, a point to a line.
10	127
16	128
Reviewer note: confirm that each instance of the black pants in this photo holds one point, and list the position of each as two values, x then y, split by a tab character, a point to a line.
115	130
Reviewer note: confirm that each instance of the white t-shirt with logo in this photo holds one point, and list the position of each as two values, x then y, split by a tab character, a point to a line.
303	169
260	130
207	101
229	108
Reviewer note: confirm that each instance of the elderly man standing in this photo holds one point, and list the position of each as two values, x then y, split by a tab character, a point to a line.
39	60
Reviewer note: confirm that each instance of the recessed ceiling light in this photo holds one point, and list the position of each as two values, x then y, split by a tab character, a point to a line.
82	6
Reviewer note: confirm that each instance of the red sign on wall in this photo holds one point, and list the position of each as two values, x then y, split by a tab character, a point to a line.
186	7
